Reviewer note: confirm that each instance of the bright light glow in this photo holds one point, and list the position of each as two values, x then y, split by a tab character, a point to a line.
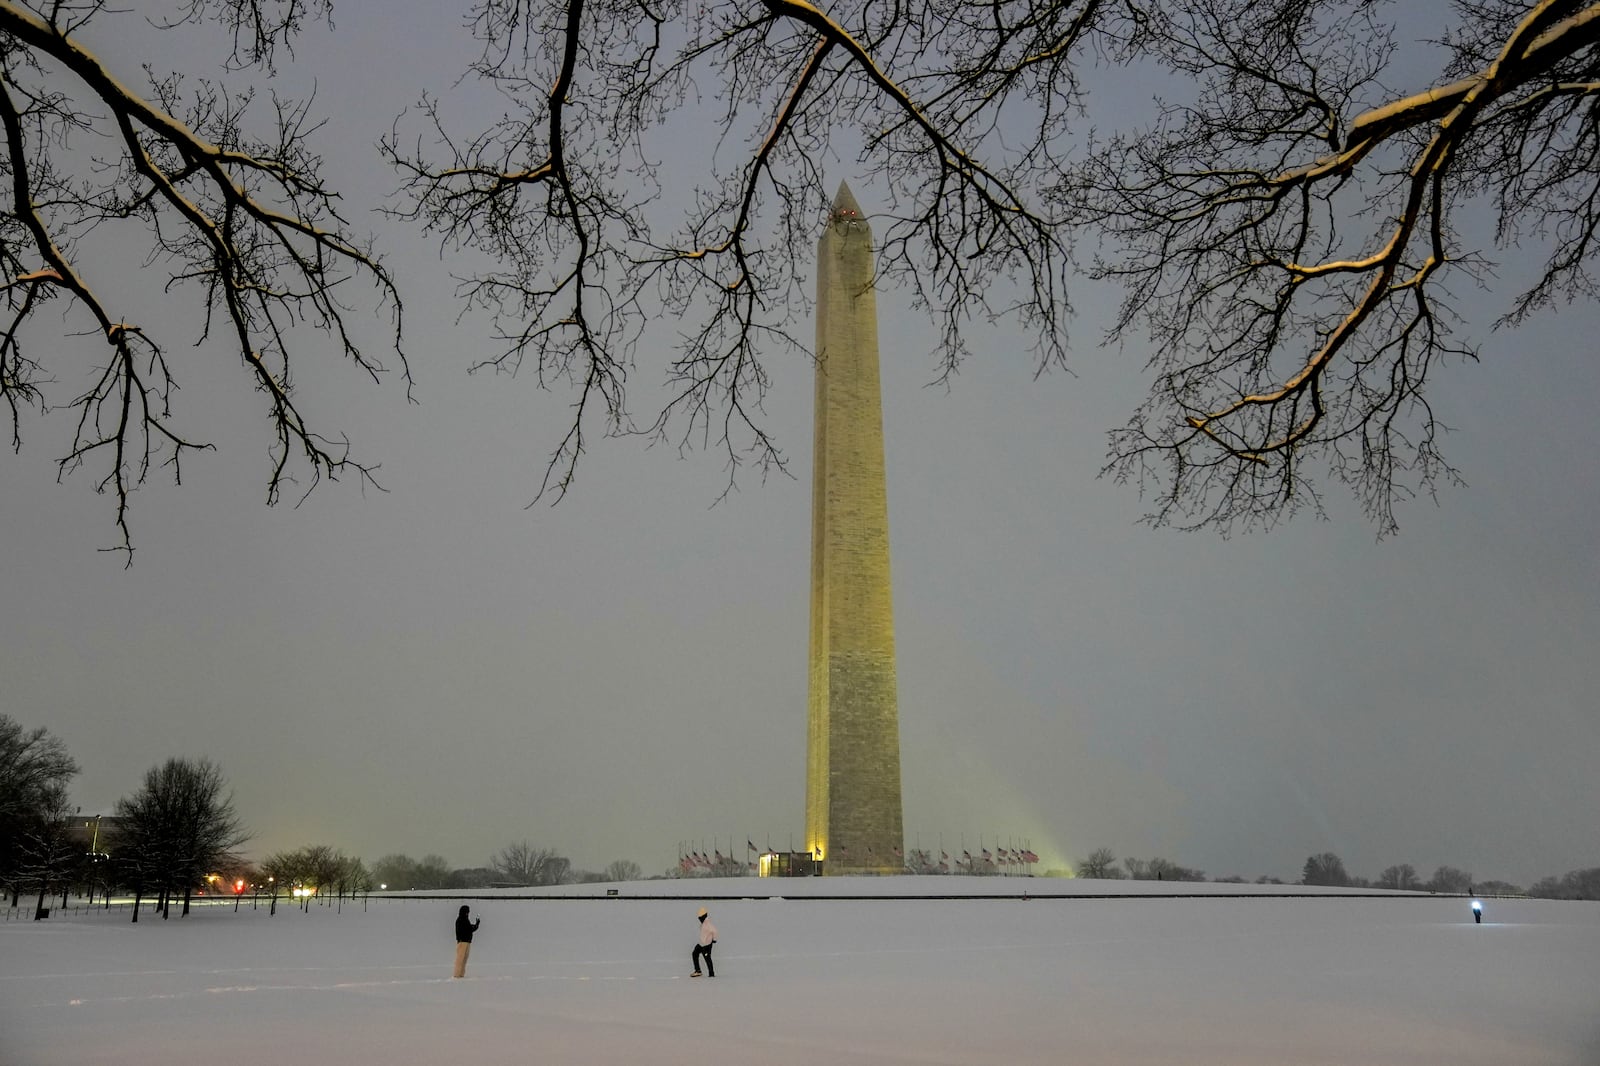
1477	905
305	890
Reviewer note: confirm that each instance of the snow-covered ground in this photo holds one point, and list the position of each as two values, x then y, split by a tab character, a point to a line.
1195	979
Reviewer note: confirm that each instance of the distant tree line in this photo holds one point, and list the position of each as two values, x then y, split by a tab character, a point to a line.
316	870
1327	869
177	829
1103	863
177	835
517	865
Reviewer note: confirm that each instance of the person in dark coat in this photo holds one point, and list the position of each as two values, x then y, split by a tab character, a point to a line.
464	930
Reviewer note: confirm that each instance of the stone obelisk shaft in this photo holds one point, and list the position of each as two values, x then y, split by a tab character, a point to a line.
853	814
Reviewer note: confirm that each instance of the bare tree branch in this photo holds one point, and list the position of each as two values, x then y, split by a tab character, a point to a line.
1296	297
247	224
597	247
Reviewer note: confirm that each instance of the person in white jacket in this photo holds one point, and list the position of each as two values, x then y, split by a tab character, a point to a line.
708	936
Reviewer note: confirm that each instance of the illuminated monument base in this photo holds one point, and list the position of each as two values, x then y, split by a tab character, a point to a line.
853	813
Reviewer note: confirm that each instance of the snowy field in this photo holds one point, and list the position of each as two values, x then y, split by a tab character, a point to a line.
1191	978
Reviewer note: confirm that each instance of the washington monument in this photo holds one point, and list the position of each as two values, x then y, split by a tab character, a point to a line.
853	820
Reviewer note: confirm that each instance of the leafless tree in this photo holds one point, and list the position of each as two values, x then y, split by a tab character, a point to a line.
1160	869
1403	876
1287	230
1449	879
594	239
1575	884
177	827
431	871
1288	233
1325	868
1100	863
242	223
323	868
528	865
34	771
623	870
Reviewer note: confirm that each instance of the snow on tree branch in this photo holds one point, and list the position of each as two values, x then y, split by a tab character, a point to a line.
247	225
1297	308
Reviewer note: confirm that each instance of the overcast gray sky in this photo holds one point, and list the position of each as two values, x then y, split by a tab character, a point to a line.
438	669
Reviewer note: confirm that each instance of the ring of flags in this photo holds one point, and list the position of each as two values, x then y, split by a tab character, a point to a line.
693	862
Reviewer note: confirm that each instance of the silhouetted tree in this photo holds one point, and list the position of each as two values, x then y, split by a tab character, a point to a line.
288	869
528	865
323	869
395	872
1159	869
1167	870
431	871
352	877
473	877
177	827
1290	235
1100	863
1575	884
623	870
1401	876
1582	884
1288	228
1324	869
235	213
34	772
1450	879
46	854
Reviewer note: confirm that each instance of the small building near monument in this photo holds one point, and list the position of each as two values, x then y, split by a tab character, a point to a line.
788	864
